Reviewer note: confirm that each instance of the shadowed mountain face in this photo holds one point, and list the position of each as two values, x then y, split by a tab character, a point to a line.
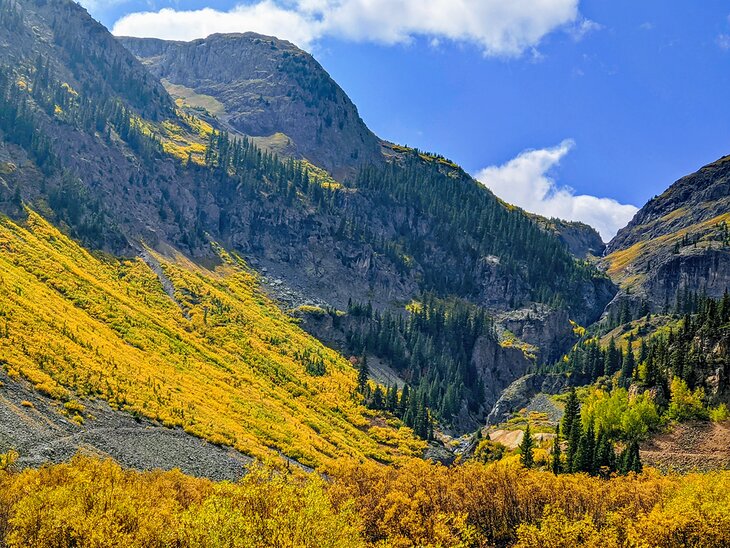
263	86
677	243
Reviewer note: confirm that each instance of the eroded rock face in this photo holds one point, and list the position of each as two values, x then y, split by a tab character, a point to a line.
519	393
703	270
547	329
268	86
582	240
678	241
498	368
693	199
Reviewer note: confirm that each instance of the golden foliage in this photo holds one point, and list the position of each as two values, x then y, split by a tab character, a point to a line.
422	504
95	503
223	362
89	502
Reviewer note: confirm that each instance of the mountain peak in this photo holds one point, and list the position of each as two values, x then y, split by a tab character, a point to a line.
266	88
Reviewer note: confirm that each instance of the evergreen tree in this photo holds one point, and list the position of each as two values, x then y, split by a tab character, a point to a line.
422	420
555	462
628	366
526	457
377	400
571	454
629	460
363	375
612	359
585	456
605	461
391	403
404	401
571	414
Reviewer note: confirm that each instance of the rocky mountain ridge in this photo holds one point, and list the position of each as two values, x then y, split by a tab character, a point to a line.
678	242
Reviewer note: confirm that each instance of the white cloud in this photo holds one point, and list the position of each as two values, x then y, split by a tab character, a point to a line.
265	17
583	27
499	27
527	182
723	41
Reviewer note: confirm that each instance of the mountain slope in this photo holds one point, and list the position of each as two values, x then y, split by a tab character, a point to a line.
117	174
218	359
678	242
263	86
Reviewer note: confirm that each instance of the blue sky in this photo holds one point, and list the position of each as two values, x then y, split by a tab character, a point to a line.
570	108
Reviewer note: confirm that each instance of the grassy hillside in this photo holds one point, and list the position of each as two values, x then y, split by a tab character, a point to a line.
220	360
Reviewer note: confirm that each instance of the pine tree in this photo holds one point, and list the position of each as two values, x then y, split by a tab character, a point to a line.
643	351
362	375
391	403
404	401
629	460
605	460
526	457
612	359
377	400
627	368
586	455
422	420
556	465
571	454
571	414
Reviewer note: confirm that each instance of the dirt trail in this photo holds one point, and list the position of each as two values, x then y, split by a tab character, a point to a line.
690	446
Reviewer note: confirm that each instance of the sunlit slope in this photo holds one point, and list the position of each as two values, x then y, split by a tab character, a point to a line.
222	362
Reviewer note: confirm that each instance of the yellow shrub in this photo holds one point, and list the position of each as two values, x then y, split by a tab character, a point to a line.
89	502
95	503
555	530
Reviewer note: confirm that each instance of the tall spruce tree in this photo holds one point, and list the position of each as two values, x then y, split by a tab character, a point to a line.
585	456
630	460
571	414
628	365
612	359
362	375
571	453
605	461
528	443
555	462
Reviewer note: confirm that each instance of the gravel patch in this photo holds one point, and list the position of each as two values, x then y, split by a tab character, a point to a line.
36	428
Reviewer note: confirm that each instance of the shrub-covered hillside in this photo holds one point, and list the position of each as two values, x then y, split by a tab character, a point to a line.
216	358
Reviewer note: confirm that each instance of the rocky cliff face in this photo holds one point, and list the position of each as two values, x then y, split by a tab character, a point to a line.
498	367
678	241
549	331
582	240
268	86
